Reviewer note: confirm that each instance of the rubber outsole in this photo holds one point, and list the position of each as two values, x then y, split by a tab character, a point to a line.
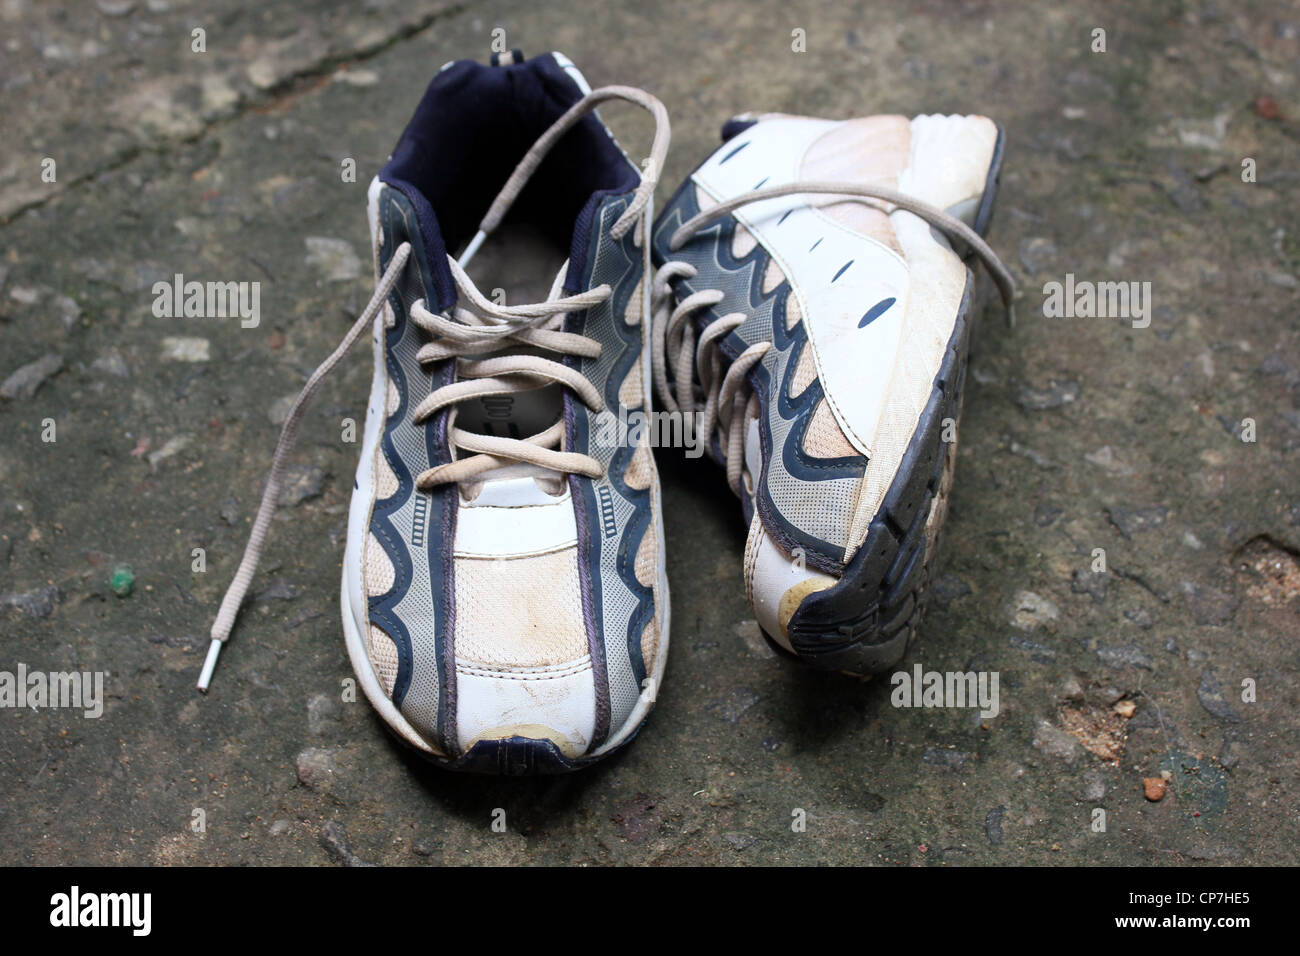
865	622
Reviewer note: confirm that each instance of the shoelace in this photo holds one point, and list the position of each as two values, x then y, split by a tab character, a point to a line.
482	327
725	400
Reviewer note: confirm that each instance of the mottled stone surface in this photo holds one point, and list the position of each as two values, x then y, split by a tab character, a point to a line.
1079	434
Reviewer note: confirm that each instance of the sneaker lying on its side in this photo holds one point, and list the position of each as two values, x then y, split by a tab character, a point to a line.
823	339
504	599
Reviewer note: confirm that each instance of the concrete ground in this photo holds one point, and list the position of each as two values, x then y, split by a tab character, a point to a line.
1174	448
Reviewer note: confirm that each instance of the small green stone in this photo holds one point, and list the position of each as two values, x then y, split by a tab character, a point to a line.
123	580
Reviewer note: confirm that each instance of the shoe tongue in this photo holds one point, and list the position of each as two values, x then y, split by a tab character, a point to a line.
512	488
429	249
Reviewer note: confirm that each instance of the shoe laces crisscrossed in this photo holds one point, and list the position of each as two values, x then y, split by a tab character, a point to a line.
724	399
494	347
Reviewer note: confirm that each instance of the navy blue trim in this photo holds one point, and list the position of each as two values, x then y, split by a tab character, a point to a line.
395	215
444	287
578	439
876	311
469	131
823	555
734	152
382	527
734	127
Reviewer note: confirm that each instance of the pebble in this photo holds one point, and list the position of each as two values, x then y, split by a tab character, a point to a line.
335	258
1030	610
68	309
38	602
1054	396
110	362
1055	742
1092	583
993	825
1131	521
316	768
740	841
322	714
1265	107
281	589
1141	617
426	846
1154	788
26	294
24	382
1045	515
1210	694
1124	655
334	838
1104	457
229	512
185	348
1202	132
1229	753
301	483
1038	458
357	77
1037	651
1094	787
945	758
171	447
115	8
122	581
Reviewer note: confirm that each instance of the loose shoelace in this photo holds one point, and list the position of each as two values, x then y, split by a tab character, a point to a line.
725	401
481	327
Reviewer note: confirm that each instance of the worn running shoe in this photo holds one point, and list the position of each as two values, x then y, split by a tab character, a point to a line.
813	303
504	599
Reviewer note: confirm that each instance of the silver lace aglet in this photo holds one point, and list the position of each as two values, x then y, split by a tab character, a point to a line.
472	248
209	665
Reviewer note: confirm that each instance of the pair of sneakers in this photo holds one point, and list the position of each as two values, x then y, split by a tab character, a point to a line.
801	307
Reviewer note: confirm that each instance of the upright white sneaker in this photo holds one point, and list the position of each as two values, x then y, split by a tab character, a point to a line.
504	599
813	302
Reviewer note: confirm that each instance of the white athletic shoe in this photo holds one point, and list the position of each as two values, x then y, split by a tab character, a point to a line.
504	598
810	305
